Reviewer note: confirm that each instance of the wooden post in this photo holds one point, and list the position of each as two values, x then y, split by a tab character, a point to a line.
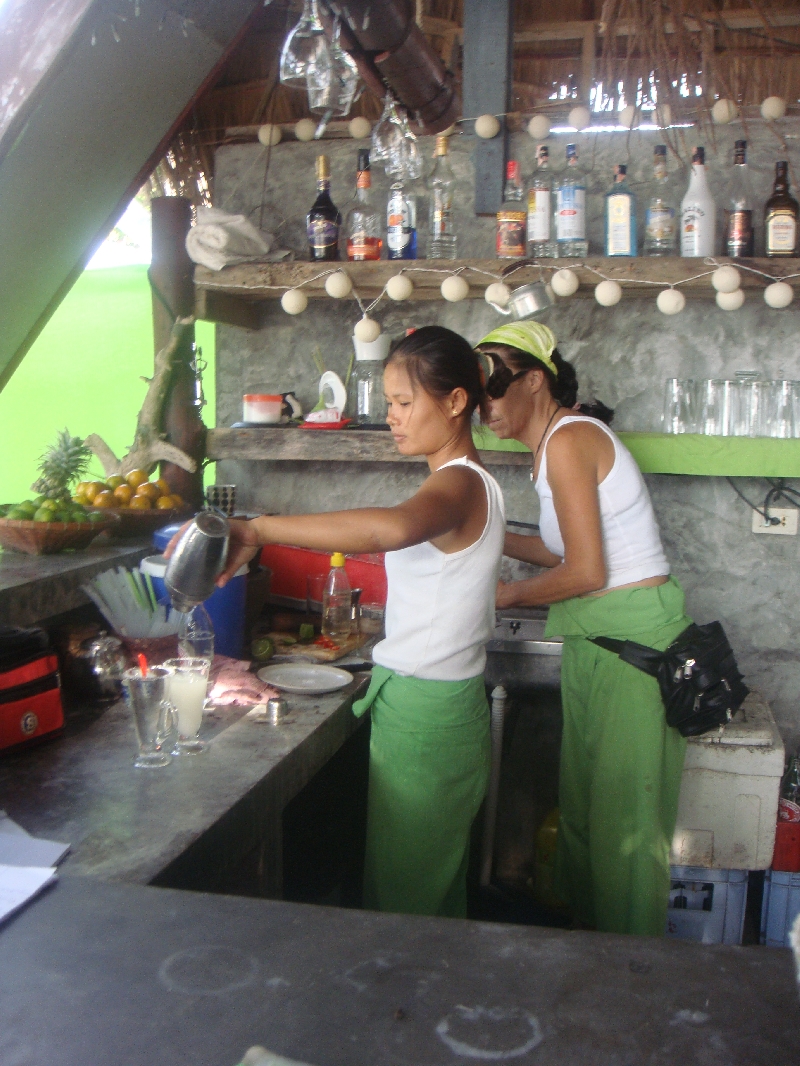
488	38
172	281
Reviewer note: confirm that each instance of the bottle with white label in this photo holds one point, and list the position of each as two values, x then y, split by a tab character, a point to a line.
620	215
570	212
698	212
540	206
737	238
660	223
401	223
781	214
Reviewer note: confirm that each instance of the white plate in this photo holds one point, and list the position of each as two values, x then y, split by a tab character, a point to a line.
307	679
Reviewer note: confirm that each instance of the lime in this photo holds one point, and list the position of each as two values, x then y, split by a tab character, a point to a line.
306	633
44	514
78	515
63	516
5	507
262	649
17	514
96	516
48	505
28	506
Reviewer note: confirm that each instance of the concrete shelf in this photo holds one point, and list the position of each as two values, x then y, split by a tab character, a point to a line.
235	295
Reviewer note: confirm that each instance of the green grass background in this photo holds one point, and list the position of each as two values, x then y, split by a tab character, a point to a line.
84	372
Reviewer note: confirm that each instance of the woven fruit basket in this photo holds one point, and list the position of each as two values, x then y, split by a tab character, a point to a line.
130	522
47	538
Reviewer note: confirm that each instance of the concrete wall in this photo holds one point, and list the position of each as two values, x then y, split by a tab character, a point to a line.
622	356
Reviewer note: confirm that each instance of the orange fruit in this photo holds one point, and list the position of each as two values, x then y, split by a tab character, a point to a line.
123	493
148	489
177	501
115	481
140	503
104	499
81	499
165	503
80	488
165	489
93	488
136	478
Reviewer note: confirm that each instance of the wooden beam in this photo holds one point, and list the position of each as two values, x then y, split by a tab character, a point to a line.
587	61
732	20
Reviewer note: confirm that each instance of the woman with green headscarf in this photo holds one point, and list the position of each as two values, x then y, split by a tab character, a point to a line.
604	573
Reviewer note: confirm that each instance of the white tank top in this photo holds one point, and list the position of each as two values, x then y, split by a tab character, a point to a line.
439	607
631	540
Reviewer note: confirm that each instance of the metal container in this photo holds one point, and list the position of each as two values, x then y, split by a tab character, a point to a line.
277	709
198	560
528	300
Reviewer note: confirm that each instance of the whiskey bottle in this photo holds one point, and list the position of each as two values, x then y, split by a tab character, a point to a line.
781	217
738	236
323	220
362	225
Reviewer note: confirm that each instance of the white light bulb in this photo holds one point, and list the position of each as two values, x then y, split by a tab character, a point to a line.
454	288
726	279
367	330
626	116
487	126
608	293
724	111
778	294
730	300
498	294
774	107
399	287
338	285
539	127
294	301
670	302
269	135
564	282
359	128
305	129
579	117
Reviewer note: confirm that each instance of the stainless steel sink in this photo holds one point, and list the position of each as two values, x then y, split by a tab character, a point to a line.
518	655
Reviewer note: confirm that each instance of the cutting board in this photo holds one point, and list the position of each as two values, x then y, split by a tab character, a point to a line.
315	652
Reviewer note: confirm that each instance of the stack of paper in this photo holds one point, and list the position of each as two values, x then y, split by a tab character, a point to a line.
27	864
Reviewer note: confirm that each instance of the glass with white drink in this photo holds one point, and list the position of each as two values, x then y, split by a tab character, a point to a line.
187	684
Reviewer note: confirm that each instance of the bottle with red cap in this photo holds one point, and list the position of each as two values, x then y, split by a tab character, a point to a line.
512	216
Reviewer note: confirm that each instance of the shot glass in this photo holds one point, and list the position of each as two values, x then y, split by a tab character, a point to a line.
152	714
186	687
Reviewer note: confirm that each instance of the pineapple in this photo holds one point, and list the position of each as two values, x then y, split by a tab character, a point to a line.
61	465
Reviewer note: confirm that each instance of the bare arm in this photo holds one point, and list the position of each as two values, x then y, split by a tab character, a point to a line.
529	550
572	470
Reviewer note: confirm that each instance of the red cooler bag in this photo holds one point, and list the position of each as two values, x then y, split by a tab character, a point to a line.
30	688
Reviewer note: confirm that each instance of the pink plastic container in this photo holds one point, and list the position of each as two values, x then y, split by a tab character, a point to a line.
261	407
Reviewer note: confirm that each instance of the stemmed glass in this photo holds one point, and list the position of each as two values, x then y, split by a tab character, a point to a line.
333	91
305	57
387	138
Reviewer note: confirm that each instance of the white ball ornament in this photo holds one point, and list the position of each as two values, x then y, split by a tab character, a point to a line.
627	116
399	287
454	288
359	128
305	129
579	117
487	126
367	330
294	301
724	111
730	301
497	293
608	293
779	294
269	135
338	285
726	279
774	107
670	302
539	127
564	282
663	116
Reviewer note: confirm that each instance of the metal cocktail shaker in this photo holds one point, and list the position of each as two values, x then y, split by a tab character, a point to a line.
198	560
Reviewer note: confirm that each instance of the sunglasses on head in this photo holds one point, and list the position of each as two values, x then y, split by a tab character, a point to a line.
501	377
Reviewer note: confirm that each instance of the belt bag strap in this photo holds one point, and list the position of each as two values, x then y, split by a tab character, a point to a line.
648	660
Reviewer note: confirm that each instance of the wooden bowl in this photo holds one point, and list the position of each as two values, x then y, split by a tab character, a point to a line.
46	538
127	522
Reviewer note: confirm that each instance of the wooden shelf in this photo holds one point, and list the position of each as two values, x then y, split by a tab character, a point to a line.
656	453
234	295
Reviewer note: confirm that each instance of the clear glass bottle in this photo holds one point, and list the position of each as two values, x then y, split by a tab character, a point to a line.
738	237
366	403
570	209
401	223
441	184
540	207
512	217
781	213
196	635
698	211
660	222
362	224
323	220
620	215
337	601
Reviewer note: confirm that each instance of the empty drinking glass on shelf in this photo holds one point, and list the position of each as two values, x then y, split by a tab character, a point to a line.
779	409
716	407
679	406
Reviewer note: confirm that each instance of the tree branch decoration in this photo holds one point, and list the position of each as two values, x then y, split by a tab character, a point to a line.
149	444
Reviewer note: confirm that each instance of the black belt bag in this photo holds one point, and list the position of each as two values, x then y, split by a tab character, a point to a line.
700	683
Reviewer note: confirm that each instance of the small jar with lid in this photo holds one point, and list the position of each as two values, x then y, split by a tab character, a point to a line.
261	408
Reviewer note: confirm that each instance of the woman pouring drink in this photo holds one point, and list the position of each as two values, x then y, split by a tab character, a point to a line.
604	573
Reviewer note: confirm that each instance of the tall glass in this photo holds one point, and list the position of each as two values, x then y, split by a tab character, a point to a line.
796	406
152	714
679	406
779	409
187	684
717	407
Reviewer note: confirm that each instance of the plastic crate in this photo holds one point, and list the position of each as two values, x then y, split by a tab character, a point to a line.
706	906
780	907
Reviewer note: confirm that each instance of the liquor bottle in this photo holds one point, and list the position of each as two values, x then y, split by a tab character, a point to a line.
620	215
362	225
441	183
738	235
540	207
660	225
401	223
337	601
323	220
511	218
781	216
571	209
698	211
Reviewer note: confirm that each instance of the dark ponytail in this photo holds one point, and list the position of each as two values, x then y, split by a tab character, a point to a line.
439	361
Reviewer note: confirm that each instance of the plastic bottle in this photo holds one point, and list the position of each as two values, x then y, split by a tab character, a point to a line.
196	635
337	601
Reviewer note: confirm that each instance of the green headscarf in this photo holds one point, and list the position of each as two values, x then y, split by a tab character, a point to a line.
532	337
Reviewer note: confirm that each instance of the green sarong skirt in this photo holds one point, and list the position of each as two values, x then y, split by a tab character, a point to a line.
430	754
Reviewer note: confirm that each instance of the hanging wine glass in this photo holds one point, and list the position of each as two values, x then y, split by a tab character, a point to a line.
333	93
305	52
387	139
412	160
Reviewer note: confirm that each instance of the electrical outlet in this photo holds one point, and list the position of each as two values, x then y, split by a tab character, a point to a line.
787	522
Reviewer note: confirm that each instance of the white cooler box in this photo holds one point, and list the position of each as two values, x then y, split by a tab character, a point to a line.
728	804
